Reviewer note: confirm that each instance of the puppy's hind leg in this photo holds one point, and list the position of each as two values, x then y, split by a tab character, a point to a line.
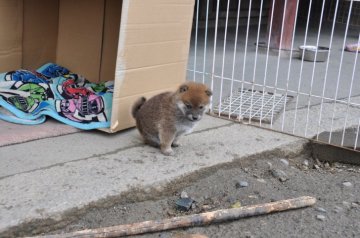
166	140
152	141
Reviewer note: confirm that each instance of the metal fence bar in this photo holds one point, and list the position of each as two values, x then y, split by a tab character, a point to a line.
214	54
234	55
289	68
278	60
245	52
263	105
241	104
314	66
302	65
250	108
340	68
224	52
196	36
205	40
350	92
267	54
326	70
357	135
274	105
256	56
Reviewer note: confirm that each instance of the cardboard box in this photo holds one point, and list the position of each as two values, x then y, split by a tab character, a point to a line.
141	44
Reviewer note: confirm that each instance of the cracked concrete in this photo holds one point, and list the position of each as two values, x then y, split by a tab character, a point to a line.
46	179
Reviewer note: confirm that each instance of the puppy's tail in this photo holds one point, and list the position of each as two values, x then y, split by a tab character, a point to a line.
137	105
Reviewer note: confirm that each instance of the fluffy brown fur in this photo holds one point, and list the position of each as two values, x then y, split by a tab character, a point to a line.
165	117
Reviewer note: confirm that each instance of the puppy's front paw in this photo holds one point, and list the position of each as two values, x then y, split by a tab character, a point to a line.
167	152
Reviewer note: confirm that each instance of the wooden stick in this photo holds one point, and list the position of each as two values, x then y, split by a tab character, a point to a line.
192	220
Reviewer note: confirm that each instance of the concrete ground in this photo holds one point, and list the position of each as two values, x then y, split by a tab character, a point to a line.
46	182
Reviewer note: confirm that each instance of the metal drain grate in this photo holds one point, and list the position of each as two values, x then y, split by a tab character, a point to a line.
256	105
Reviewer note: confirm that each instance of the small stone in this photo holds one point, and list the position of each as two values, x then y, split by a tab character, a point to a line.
184	194
193	206
279	174
306	163
184	204
284	161
270	165
355	205
320	209
261	180
231	199
337	209
246	170
327	165
241	184
346	204
316	166
199	154
236	205
205	208
248	234
347	184
170	213
320	217
163	235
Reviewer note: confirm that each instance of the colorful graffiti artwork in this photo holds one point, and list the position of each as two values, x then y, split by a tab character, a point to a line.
60	93
85	109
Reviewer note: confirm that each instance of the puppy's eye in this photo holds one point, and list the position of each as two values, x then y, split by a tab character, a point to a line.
201	107
188	106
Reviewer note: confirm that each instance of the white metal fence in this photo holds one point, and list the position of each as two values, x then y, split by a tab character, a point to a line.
248	52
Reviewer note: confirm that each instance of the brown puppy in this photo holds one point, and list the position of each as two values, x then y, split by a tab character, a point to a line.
165	117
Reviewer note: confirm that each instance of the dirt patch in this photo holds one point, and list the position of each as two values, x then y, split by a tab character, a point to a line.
336	213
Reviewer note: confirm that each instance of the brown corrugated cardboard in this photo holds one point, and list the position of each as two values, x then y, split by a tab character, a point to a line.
141	44
39	39
80	36
110	39
11	27
137	80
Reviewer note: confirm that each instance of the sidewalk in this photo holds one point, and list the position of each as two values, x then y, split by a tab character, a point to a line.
47	181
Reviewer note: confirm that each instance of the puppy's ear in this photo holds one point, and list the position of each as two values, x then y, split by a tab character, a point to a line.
183	88
208	92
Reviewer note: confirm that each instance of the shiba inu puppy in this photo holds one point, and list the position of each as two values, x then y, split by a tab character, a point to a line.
164	117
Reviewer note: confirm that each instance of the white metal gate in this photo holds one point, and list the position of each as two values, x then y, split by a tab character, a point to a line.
248	52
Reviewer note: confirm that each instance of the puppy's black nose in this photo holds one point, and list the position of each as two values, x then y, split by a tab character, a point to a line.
195	118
